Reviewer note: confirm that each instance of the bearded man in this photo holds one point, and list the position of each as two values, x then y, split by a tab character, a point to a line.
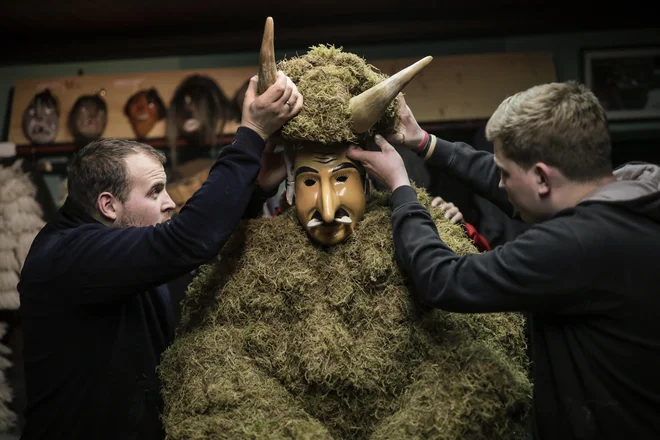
96	315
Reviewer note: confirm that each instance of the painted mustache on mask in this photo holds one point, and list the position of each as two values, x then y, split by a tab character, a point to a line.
341	216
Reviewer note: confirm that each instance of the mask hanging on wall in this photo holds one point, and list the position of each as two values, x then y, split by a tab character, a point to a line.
197	111
41	118
237	101
143	109
88	118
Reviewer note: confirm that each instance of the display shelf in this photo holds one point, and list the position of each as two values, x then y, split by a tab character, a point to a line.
67	148
64	149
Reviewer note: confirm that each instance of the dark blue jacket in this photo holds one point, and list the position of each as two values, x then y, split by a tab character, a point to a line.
96	315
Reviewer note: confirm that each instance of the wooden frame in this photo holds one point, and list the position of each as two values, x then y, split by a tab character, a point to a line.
626	80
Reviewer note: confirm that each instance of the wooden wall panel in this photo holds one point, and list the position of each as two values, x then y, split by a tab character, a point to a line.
118	87
453	88
468	87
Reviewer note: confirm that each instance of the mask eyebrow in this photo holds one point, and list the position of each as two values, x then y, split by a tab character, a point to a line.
342	166
305	170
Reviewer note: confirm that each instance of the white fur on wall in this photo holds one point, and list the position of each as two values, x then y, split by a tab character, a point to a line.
21	218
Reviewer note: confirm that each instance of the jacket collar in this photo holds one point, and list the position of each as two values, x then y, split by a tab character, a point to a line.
72	214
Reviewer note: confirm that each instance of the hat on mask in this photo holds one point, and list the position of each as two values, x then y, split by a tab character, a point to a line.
345	98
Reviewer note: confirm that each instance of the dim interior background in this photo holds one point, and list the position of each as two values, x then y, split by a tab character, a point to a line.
612	48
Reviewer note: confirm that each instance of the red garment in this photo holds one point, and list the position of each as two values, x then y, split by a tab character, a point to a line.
479	240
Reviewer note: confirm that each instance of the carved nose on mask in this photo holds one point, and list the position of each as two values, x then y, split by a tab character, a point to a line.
328	213
328	205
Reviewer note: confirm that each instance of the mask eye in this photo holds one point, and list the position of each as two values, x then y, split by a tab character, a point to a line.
342	179
310	182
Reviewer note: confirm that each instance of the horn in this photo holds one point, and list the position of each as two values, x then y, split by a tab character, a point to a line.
267	67
369	106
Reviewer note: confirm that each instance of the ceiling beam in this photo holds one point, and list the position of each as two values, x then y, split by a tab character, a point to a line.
126	44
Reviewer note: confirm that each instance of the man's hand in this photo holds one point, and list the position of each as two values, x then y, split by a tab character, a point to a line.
385	165
451	211
266	113
273	168
410	133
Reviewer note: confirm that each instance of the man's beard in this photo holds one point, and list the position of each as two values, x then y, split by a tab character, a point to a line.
127	220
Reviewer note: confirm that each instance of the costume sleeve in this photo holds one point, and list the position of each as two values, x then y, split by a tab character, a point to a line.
476	168
125	260
539	271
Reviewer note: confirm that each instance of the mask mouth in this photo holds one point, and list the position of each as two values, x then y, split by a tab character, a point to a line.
40	128
341	217
142	117
191	125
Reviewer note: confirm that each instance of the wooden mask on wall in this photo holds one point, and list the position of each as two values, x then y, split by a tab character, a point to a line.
198	109
41	118
237	100
143	109
88	118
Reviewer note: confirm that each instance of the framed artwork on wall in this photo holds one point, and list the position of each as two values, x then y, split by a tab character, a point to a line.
626	81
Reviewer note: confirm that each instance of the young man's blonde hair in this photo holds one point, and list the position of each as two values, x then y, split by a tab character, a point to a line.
560	124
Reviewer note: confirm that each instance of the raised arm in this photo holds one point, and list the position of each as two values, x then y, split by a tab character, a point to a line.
93	259
474	167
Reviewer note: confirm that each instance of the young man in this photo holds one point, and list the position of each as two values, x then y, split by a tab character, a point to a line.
95	312
586	270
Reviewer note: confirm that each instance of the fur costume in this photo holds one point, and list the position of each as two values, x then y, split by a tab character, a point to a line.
20	220
7	416
281	339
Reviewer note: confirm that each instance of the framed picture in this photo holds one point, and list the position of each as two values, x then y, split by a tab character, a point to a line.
626	81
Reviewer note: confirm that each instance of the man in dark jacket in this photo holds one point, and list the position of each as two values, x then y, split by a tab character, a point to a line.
95	311
586	270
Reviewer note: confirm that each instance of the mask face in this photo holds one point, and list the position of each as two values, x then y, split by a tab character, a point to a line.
143	110
237	100
196	108
41	118
330	193
88	117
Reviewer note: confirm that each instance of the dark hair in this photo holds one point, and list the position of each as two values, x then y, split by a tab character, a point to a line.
101	166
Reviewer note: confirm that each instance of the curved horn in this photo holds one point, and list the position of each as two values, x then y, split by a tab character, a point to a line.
368	107
267	67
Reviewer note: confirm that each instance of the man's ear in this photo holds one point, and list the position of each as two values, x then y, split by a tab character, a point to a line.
107	204
542	174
